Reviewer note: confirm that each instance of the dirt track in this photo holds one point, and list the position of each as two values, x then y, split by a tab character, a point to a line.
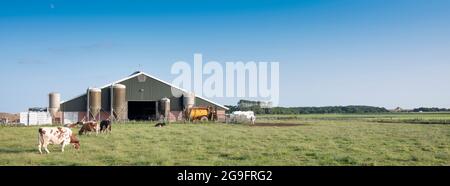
276	125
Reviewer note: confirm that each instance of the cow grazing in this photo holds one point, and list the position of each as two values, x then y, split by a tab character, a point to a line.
105	126
89	127
243	117
56	135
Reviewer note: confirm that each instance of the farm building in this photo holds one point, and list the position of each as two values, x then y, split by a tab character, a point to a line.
139	96
248	104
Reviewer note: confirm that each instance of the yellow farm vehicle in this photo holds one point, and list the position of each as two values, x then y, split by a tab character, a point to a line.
202	114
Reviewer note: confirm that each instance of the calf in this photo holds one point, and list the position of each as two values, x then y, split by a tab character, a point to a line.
160	125
56	135
105	126
89	127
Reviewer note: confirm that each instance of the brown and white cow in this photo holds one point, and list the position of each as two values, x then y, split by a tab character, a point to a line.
89	127
56	135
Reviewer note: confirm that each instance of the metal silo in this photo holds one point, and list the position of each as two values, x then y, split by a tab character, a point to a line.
188	100
188	103
165	107
119	102
54	103
94	102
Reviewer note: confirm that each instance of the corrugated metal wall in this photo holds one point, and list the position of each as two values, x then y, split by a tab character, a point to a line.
76	105
152	90
106	99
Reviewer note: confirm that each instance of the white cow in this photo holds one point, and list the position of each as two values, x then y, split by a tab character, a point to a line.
243	117
56	135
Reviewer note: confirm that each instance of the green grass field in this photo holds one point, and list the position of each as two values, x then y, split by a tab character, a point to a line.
319	140
415	118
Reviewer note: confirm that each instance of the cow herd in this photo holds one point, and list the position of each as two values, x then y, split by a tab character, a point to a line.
63	135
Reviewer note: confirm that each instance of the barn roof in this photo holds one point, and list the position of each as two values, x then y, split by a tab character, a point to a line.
135	74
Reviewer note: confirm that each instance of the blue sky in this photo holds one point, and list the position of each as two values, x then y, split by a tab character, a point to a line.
375	52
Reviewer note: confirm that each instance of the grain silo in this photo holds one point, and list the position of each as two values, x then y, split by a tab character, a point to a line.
94	103
188	100
165	107
119	102
54	104
188	103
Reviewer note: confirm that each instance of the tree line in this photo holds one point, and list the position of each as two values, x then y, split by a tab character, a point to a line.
352	109
311	110
433	109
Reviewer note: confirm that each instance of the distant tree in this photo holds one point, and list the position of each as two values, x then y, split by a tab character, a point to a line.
312	110
433	109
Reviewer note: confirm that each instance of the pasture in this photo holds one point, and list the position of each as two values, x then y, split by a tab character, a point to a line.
320	139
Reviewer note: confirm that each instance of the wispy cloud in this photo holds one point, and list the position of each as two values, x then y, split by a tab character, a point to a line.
83	48
26	61
95	46
58	50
